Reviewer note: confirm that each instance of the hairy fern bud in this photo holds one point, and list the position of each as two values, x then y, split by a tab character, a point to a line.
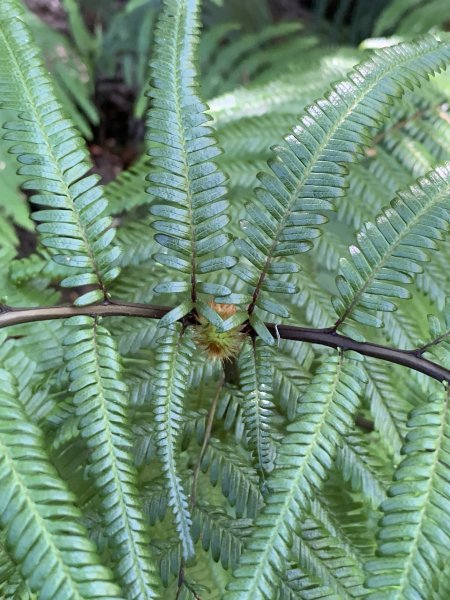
219	345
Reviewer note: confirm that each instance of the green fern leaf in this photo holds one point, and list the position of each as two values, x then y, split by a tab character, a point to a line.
392	249
127	190
239	482
308	172
360	465
184	175
414	537
101	405
256	376
342	511
322	556
237	60
290	382
175	351
39	514
54	158
325	414
223	536
389	416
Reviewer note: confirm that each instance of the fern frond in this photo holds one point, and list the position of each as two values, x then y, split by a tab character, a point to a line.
296	584
392	249
363	468
308	172
349	515
137	247
411	17
325	414
173	358
443	585
251	137
400	327
223	536
10	578
155	500
229	409
184	175
390	417
217	532
388	171
414	536
364	199
311	297
138	373
101	405
256	378
54	156
71	76
289	383
345	524
321	555
238	481
39	513
145	444
134	335
281	96
433	280
328	250
410	153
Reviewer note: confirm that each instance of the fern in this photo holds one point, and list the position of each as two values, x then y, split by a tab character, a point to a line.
184	173
256	379
414	530
392	250
160	437
53	155
173	360
55	557
101	407
305	174
411	17
306	453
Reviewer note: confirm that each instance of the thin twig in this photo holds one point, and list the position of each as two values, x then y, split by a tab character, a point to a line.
206	438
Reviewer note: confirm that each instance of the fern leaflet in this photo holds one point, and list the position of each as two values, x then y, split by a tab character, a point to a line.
324	415
175	351
54	156
415	533
184	175
39	514
101	405
308	171
256	375
392	248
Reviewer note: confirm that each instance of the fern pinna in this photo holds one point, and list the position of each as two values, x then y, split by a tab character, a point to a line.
158	437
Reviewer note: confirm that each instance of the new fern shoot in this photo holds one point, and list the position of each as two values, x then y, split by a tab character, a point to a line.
224	375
